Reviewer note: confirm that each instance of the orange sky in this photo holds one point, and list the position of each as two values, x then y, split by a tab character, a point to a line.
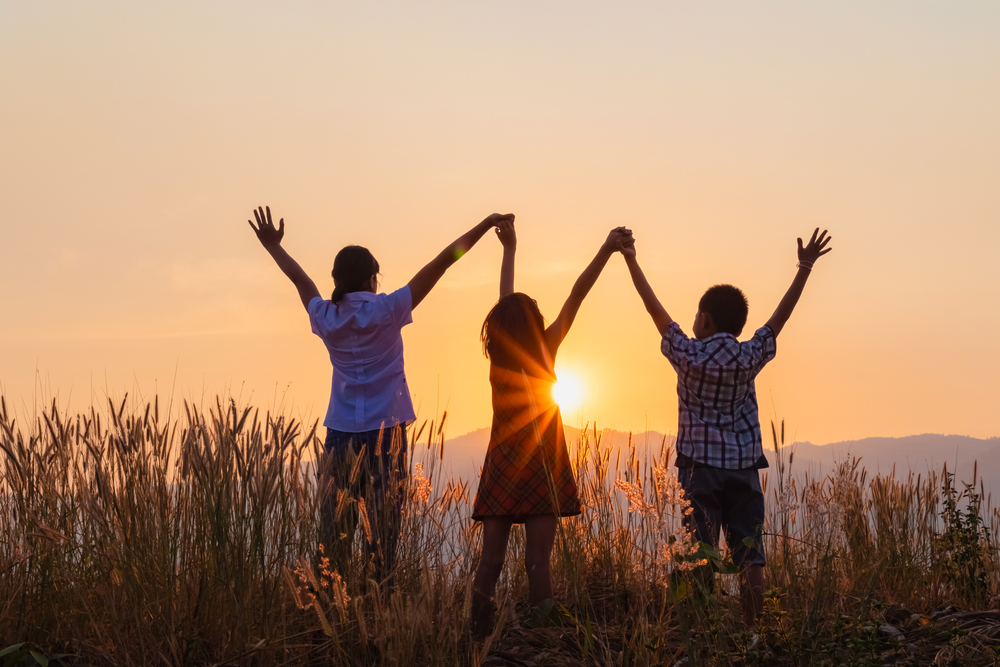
135	139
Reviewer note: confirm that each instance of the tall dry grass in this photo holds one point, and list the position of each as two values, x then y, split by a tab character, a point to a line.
131	537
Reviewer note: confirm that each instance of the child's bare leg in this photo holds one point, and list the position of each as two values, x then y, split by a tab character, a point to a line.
496	532
540	532
751	593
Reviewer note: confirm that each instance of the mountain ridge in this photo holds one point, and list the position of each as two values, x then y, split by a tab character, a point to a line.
970	459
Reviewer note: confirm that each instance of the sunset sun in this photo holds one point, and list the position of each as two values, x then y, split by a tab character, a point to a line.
568	391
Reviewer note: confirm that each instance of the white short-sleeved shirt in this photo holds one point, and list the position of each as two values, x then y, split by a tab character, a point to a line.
363	335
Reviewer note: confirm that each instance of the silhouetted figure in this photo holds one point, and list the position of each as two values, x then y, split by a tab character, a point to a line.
365	462
527	477
719	449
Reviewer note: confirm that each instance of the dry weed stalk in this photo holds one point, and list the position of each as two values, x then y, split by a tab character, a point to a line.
133	537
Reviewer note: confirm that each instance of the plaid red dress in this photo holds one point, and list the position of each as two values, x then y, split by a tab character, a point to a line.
527	469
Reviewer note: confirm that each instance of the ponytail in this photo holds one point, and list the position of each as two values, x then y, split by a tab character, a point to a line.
353	268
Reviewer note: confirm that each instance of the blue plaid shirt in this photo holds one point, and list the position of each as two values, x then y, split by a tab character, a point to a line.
718	424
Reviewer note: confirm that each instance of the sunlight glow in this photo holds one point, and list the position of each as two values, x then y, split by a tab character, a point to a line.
568	391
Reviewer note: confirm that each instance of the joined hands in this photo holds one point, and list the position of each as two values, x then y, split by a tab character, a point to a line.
506	234
619	239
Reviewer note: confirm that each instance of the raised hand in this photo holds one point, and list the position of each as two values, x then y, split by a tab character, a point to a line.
556	331
270	237
808	255
627	248
506	234
618	235
425	279
815	249
267	234
661	319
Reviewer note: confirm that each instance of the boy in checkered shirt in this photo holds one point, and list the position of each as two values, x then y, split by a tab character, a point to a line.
718	445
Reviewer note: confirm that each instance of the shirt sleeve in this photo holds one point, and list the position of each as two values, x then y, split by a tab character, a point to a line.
317	311
763	347
680	350
401	305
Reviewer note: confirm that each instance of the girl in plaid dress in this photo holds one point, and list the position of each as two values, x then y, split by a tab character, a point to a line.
527	477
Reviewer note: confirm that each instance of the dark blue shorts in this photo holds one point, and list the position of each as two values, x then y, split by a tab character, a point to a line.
727	500
379	440
385	456
379	479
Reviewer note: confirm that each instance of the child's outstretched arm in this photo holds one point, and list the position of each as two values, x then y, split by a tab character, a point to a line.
508	239
556	332
422	283
653	306
270	237
807	258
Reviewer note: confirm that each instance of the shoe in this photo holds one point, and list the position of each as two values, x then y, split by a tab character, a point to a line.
545	615
482	614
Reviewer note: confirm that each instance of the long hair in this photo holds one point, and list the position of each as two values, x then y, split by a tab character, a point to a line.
512	336
353	267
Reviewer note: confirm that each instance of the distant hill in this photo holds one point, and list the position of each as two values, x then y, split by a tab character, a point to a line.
917	453
463	455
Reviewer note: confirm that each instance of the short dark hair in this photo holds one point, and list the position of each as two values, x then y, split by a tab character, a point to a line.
353	267
728	307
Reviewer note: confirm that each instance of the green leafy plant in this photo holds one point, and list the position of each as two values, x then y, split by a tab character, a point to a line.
964	545
16	654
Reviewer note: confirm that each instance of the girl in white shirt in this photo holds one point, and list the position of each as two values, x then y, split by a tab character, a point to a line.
369	401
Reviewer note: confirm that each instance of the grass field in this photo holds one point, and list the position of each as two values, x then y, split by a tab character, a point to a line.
134	538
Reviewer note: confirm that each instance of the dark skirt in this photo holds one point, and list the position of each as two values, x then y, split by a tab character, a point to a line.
527	471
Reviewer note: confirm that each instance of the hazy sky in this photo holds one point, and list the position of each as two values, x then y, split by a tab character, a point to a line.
136	138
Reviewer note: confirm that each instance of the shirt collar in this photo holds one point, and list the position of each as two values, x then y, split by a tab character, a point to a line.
360	296
722	335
